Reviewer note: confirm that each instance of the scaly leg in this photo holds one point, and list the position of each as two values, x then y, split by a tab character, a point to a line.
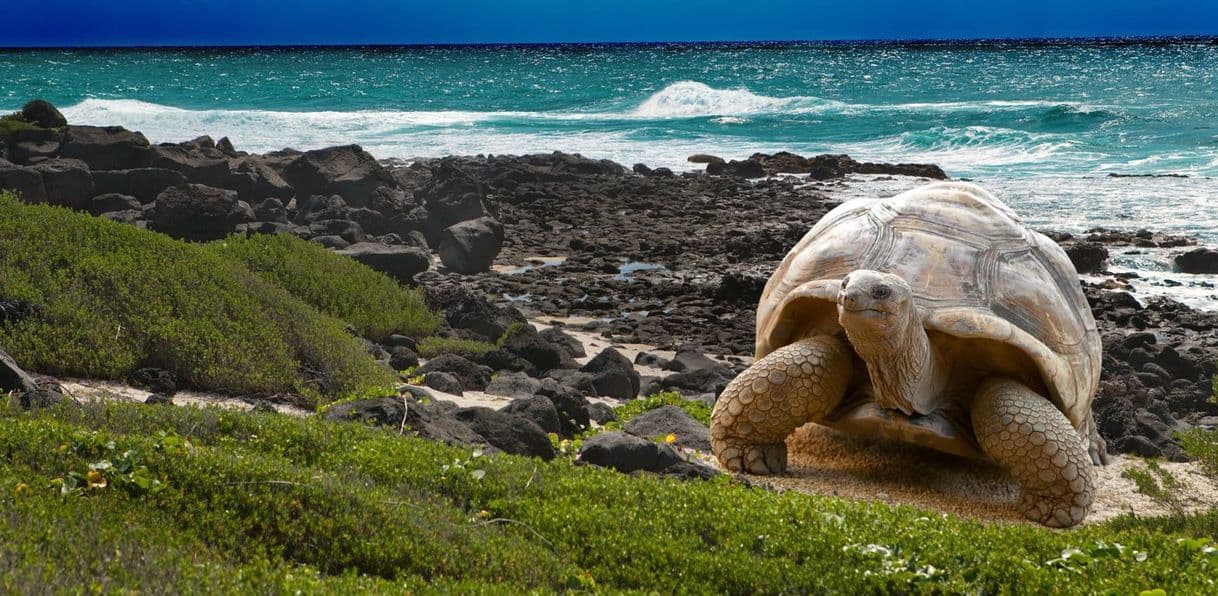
1026	434
798	383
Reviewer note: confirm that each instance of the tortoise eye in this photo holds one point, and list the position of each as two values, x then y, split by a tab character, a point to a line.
881	292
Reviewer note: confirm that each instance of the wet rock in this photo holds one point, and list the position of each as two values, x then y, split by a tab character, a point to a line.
1088	257
106	147
666	420
1198	260
400	262
511	433
471	246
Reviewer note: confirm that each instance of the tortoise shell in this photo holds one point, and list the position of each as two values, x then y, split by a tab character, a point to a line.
977	274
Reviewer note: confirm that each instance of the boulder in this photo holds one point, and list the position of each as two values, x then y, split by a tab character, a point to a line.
345	229
347	170
473	377
146	184
68	182
201	164
331	241
271	210
513	384
1198	260
1088	257
601	413
255	181
738	169
450	197
113	202
525	342
471	246
26	182
431	420
402	357
538	409
442	381
29	145
469	310
571	348
609	374
321	208
688	360
627	453
106	147
12	377
40	112
197	212
572	407
666	420
399	262
511	433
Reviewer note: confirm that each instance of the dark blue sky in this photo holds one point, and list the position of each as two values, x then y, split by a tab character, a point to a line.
254	22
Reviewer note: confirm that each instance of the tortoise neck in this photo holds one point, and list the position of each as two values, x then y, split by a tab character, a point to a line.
905	372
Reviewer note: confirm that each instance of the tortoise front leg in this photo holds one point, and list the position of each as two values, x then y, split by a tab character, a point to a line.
798	383
1026	434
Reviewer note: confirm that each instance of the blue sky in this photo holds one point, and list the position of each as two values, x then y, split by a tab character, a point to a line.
253	22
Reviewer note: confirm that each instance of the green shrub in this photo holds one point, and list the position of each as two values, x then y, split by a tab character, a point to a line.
697	409
13	122
375	304
115	298
1202	445
431	347
305	502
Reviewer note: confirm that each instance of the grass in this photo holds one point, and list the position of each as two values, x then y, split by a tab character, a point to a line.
697	409
376	305
431	347
263	502
116	298
13	122
1202	445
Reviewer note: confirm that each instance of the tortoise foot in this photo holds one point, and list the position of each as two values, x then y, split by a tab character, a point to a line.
764	460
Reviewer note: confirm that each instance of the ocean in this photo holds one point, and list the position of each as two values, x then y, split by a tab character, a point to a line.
1042	124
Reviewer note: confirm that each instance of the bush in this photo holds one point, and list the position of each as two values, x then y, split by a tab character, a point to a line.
376	305
431	347
305	502
115	298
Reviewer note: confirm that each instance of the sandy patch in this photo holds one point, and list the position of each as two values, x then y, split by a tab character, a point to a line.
93	390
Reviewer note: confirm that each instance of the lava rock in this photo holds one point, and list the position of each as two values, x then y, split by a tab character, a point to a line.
525	342
199	213
1088	257
471	246
26	182
442	381
473	377
666	420
400	262
601	413
402	357
609	374
1198	260
513	384
68	182
538	409
113	202
511	433
106	147
627	453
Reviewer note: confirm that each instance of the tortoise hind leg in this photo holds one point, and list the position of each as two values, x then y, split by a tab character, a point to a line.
1026	434
798	383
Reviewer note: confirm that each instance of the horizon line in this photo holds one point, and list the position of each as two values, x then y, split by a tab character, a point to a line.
977	41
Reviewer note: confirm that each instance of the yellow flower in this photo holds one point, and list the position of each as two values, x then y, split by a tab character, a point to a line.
95	479
670	439
20	488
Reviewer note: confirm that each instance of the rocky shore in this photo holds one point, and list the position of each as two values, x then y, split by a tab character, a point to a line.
636	255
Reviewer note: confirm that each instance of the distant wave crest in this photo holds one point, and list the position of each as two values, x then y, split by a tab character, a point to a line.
686	99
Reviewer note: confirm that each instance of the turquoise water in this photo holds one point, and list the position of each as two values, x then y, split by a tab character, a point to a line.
1040	124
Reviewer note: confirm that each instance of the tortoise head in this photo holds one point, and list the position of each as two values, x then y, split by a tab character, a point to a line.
873	305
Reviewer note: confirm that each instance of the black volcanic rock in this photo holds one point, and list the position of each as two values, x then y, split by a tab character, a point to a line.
1198	260
197	212
106	147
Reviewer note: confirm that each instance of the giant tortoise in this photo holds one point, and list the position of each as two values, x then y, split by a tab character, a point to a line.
933	317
